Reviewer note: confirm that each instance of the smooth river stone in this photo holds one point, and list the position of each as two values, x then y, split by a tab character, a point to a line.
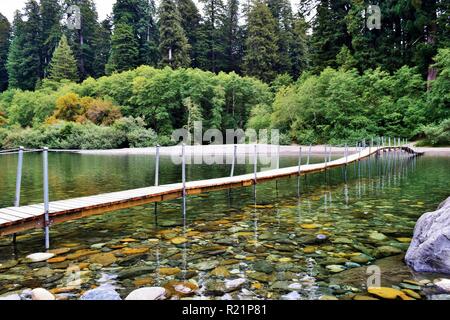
11	297
41	294
101	294
205	265
388	293
377	236
443	284
40	256
148	293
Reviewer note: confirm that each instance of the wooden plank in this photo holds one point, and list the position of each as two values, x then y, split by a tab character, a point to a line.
9	217
28	210
16	213
4	221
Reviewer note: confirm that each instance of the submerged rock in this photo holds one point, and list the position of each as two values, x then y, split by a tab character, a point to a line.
101	294
40	256
232	285
11	297
377	236
430	248
135	272
361	259
335	268
181	288
104	259
8	264
263	266
206	265
387	251
393	272
149	293
443	284
42	294
294	295
388	293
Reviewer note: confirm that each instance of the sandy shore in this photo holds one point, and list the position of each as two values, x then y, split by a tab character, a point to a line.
243	149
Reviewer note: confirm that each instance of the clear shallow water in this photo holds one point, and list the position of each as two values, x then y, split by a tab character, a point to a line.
273	246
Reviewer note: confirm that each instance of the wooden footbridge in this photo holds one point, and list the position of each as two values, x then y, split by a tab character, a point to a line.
22	218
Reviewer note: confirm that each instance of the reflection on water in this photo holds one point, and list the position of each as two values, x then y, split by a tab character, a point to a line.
233	246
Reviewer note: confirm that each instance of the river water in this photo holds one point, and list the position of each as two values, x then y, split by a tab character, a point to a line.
233	246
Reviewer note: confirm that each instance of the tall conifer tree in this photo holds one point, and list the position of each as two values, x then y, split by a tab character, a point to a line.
213	26
84	42
174	47
5	33
25	67
233	37
125	49
190	22
140	16
51	13
261	56
63	65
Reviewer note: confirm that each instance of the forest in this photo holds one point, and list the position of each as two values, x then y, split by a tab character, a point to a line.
314	69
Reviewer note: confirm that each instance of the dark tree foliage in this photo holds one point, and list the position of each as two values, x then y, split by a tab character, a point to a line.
51	13
125	53
213	38
329	33
85	42
173	47
140	16
25	61
190	22
233	49
5	33
282	12
262	52
103	46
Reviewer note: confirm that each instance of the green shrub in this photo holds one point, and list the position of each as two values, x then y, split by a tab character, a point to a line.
437	135
127	132
341	106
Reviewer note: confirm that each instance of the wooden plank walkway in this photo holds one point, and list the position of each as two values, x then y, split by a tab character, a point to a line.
17	219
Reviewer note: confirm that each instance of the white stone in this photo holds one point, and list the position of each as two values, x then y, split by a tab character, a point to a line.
335	268
104	293
226	296
295	286
443	284
233	284
40	256
294	295
11	297
98	245
41	294
148	293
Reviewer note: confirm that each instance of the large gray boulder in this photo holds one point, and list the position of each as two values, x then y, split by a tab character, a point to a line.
430	248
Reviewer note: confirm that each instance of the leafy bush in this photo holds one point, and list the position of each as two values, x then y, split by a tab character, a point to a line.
124	133
438	99
224	100
436	135
71	107
343	106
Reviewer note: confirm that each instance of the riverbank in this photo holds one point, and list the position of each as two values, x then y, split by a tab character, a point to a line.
292	150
